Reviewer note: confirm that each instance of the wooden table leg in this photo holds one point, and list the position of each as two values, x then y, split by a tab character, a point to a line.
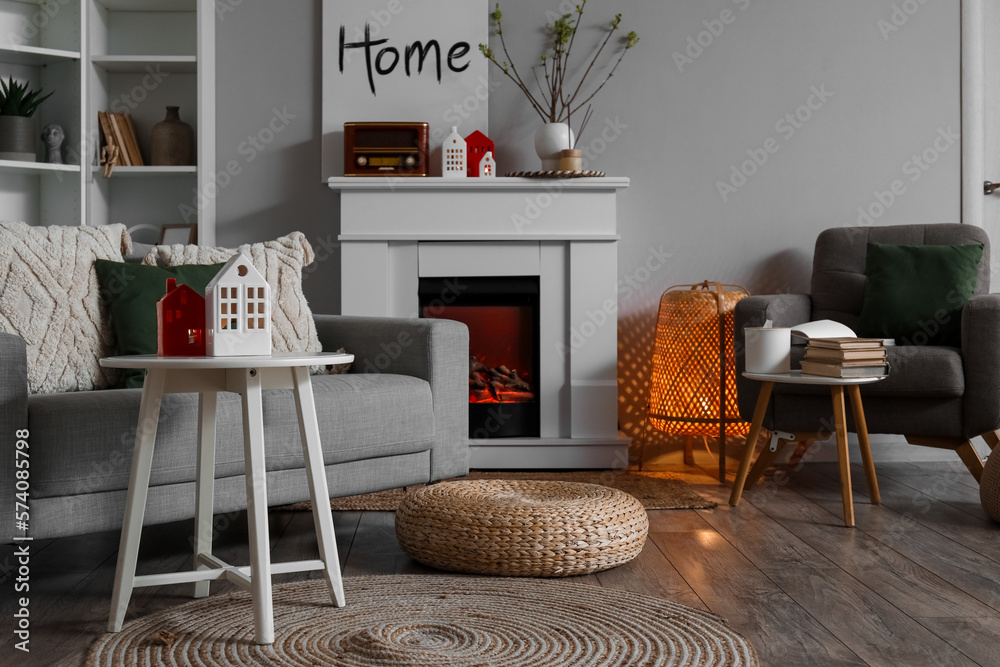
763	462
135	503
758	419
854	391
204	492
840	421
318	491
256	482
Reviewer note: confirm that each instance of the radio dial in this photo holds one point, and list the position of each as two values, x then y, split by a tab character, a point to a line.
410	161
361	161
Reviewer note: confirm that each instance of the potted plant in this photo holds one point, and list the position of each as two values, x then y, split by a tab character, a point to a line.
17	127
557	98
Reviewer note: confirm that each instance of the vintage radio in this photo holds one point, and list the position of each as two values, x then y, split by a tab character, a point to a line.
380	149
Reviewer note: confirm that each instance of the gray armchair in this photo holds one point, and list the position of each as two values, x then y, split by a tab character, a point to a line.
934	396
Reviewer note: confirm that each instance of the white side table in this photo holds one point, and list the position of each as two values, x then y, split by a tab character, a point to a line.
246	376
837	386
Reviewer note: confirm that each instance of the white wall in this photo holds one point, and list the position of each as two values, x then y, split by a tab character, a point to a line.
682	129
679	132
268	78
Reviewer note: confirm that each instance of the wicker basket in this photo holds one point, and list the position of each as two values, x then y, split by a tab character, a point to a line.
521	528
989	485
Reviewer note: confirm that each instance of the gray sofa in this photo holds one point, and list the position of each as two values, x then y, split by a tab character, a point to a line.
935	395
399	417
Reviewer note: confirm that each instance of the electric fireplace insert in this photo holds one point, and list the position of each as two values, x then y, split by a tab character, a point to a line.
502	316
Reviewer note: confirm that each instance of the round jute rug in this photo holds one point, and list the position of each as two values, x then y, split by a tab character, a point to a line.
431	621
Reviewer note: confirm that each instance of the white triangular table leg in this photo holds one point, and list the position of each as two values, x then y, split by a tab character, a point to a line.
256	476
318	491
204	492
135	503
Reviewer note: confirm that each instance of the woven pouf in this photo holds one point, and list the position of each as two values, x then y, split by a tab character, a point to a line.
521	528
989	486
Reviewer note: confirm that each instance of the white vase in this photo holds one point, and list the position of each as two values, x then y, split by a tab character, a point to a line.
550	140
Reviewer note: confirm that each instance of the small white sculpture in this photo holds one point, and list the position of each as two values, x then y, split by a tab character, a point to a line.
238	311
487	166
453	155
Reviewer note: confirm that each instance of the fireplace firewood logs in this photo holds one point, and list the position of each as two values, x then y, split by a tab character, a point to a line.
497	384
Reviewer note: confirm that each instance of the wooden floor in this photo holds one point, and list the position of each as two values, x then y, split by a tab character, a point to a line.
916	583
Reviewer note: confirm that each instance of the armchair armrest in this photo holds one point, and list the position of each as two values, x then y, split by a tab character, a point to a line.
13	417
784	310
981	363
434	350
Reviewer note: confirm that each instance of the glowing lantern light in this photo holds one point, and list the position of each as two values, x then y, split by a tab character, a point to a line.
692	388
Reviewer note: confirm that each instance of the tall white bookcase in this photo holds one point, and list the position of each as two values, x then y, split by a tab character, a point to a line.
134	56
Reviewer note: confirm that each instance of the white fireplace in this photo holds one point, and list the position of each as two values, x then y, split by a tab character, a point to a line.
396	231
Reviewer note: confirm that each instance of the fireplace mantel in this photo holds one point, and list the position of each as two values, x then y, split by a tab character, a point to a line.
395	231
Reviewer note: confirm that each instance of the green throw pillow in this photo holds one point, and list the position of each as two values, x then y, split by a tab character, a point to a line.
131	292
915	293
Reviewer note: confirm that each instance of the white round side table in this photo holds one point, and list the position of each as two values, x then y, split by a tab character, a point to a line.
837	386
247	376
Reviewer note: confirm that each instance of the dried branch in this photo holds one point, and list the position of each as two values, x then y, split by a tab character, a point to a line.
553	104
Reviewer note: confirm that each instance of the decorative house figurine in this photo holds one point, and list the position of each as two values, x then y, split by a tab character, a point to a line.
453	157
238	311
477	145
488	166
180	322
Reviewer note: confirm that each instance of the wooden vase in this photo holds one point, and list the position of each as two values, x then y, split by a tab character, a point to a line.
571	159
172	141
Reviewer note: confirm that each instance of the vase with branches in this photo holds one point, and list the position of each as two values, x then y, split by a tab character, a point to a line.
554	90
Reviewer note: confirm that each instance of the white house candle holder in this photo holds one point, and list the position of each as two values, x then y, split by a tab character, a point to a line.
453	155
487	166
238	311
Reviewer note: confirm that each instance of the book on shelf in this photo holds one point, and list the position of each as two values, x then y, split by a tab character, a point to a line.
119	132
131	144
836	370
828	333
107	134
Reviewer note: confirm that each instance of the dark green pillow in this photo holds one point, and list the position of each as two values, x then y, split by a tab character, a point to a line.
131	292
915	293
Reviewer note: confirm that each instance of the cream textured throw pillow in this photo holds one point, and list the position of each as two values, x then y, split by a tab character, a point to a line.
280	262
50	297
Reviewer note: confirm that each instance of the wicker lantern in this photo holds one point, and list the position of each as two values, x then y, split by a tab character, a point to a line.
692	388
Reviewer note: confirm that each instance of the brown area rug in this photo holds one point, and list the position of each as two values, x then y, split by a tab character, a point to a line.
655	490
411	620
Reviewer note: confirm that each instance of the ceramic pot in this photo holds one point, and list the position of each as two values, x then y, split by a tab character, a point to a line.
17	138
571	159
550	140
172	141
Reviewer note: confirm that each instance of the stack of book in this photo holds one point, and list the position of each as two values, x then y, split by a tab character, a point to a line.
119	131
845	357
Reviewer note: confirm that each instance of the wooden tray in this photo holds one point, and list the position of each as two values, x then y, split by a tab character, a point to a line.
555	174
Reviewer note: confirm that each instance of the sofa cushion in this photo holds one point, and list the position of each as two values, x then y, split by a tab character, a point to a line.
915	293
353	411
280	262
926	371
131	292
49	297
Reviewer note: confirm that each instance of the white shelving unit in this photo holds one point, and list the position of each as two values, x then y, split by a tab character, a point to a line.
42	44
135	56
144	56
